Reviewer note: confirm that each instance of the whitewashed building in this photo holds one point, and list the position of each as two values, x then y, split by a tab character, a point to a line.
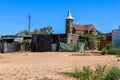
116	37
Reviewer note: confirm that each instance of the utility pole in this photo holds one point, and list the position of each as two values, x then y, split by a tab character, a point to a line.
29	18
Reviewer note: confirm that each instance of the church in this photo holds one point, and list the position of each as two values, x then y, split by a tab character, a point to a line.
78	28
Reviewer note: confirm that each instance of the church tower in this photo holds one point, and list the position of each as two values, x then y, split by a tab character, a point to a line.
69	23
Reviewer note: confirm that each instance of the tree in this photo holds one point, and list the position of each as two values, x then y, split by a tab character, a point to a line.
36	31
26	32
93	40
100	33
101	37
44	30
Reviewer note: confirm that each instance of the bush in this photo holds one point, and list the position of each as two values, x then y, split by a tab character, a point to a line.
88	74
113	74
44	78
25	45
101	72
76	74
104	51
110	49
84	74
108	46
114	51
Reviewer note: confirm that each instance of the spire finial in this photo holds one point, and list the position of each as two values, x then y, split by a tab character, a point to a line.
69	12
69	15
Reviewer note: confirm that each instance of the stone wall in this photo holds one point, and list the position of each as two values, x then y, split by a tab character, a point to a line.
72	38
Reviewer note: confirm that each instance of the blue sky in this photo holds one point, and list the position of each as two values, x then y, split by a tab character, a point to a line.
103	14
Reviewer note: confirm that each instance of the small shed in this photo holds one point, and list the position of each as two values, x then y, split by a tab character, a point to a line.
47	42
41	42
9	47
10	43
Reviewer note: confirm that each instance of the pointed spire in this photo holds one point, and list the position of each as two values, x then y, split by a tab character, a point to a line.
69	15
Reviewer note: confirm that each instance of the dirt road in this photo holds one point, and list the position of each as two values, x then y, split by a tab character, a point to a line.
34	66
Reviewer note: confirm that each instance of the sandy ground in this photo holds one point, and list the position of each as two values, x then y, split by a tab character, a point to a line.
35	66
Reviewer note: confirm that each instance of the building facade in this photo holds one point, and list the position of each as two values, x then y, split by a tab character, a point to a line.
116	37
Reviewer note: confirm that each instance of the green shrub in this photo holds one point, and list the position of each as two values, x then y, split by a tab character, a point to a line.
44	78
88	74
118	51
110	49
113	74
108	46
114	51
27	41
76	74
104	51
84	74
99	72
